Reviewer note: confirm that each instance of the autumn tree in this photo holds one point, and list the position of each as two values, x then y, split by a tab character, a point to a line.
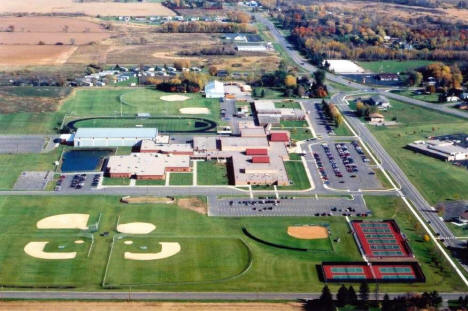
213	70
181	63
290	81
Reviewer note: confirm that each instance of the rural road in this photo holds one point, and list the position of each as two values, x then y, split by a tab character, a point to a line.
182	296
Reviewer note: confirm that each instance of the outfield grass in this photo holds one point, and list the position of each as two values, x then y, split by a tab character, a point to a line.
297	174
204	258
181	179
393	66
11	165
389	207
107	181
212	173
416	123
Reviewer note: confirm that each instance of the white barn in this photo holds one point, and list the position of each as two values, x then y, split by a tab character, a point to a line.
112	137
214	89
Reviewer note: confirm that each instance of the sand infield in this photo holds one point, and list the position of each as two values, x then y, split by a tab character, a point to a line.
136	228
195	110
174	98
168	249
36	250
64	221
308	232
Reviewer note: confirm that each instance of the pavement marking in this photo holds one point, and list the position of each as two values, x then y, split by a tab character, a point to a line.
251	192
194	175
132	182
276	192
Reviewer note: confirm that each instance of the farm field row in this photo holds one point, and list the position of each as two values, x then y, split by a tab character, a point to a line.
241	263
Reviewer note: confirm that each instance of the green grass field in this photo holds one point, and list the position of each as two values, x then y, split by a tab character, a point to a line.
393	66
288	104
297	174
11	165
430	98
416	123
107	181
212	248
102	102
150	182
181	179
212	173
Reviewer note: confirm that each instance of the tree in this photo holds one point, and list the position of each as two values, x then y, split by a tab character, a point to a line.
181	63
262	94
213	70
326	299
414	78
364	293
319	77
290	81
300	91
352	296
386	303
342	297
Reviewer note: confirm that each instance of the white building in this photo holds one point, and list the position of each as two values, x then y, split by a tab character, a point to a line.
380	102
112	137
214	89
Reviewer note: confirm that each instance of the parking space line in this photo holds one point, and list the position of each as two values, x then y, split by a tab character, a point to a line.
276	192
251	192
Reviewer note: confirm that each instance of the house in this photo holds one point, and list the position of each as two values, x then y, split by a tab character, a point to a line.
214	89
380	102
464	96
376	118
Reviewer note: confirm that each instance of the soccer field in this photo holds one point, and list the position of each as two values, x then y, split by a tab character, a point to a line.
185	251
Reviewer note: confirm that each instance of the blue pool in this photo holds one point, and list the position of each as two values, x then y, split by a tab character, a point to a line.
83	160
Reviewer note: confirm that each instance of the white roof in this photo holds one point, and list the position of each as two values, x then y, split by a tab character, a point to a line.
116	132
214	85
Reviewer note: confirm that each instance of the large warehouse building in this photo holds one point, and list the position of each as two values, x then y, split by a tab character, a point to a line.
112	137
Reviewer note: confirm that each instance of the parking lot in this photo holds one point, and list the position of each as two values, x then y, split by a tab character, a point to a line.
322	126
343	165
78	182
21	144
288	206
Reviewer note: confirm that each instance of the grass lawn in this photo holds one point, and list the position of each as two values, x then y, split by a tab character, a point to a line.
383	180
295	156
107	181
297	174
394	208
212	248
11	165
298	133
269	93
30	122
393	66
294	123
181	179
339	87
150	182
416	123
430	98
212	173
342	130
288	104
123	150
460	231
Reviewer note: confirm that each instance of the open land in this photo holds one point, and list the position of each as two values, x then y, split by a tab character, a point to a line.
241	263
415	123
88	8
147	306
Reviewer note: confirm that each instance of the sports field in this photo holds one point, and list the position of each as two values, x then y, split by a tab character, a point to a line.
213	253
393	66
104	102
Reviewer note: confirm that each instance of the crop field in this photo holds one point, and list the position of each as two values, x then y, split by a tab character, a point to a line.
416	123
242	263
88	8
20	55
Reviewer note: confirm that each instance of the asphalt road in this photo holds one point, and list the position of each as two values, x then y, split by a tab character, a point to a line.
183	296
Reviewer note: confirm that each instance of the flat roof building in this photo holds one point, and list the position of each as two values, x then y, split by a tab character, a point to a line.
241	144
151	146
446	150
146	165
112	137
214	89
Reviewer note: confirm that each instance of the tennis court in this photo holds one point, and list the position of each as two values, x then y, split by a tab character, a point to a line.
381	239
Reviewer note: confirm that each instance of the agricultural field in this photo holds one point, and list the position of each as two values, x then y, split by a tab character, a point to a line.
416	123
185	241
89	8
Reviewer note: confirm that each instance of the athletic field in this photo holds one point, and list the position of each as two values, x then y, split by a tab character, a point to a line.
182	250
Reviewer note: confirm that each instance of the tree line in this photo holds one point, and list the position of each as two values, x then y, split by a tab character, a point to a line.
205	27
